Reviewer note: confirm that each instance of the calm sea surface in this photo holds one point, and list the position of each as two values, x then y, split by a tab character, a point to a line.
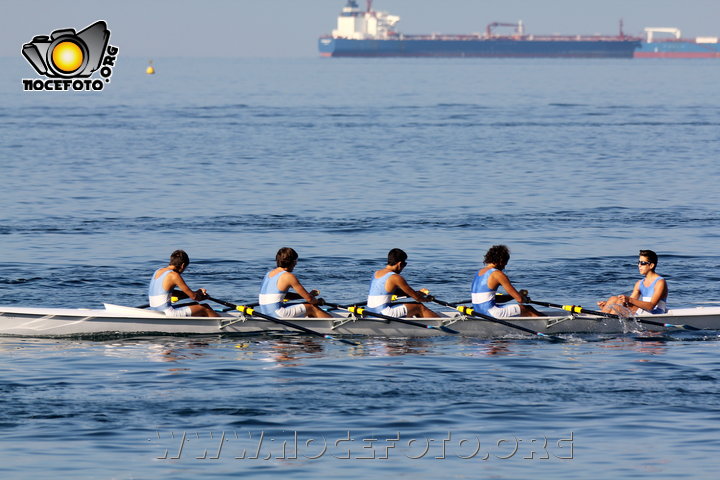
576	165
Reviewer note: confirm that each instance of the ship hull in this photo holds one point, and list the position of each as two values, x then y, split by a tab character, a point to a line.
478	47
678	49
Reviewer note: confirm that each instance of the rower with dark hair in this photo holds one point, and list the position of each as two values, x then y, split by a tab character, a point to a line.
279	281
489	278
649	295
387	281
165	279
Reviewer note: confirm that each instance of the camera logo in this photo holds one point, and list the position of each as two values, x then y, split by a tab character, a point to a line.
69	56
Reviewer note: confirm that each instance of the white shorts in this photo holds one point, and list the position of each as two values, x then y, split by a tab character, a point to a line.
178	312
505	311
398	311
642	313
291	311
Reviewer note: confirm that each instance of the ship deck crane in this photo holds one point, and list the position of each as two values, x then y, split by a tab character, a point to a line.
519	27
651	30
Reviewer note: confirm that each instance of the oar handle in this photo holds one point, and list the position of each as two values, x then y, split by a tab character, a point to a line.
573	308
393	298
174	297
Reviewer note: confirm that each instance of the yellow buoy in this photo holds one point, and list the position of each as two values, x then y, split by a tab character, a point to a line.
150	70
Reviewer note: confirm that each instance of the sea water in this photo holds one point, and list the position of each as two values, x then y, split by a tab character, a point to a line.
576	165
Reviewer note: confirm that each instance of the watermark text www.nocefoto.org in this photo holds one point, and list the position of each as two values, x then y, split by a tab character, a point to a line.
294	445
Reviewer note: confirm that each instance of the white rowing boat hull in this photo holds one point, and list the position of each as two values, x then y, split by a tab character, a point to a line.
117	320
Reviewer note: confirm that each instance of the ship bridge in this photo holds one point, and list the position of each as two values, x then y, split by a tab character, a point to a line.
358	24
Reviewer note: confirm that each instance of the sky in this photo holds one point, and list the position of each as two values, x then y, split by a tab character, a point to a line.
290	28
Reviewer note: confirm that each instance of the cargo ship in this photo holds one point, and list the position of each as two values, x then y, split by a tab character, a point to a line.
369	33
676	46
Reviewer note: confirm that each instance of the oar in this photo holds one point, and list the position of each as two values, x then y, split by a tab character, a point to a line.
499	298
334	306
250	311
286	301
395	299
469	311
255	304
175	296
363	312
579	309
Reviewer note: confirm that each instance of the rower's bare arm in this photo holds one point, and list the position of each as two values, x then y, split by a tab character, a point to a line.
295	284
633	298
657	295
647	306
397	281
296	296
176	280
505	282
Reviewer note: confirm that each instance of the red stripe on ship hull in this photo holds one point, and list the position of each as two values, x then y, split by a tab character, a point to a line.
676	55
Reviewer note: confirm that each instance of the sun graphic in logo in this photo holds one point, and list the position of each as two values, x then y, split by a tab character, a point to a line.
67	56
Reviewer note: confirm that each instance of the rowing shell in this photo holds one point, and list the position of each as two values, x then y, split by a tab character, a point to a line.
116	320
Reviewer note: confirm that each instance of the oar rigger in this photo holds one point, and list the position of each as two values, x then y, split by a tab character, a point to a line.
364	312
470	312
247	310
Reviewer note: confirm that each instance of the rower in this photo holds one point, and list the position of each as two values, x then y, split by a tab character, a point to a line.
279	281
649	295
486	282
387	281
165	279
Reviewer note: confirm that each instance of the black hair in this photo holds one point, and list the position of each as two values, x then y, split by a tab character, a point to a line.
651	256
178	258
286	257
396	255
498	255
